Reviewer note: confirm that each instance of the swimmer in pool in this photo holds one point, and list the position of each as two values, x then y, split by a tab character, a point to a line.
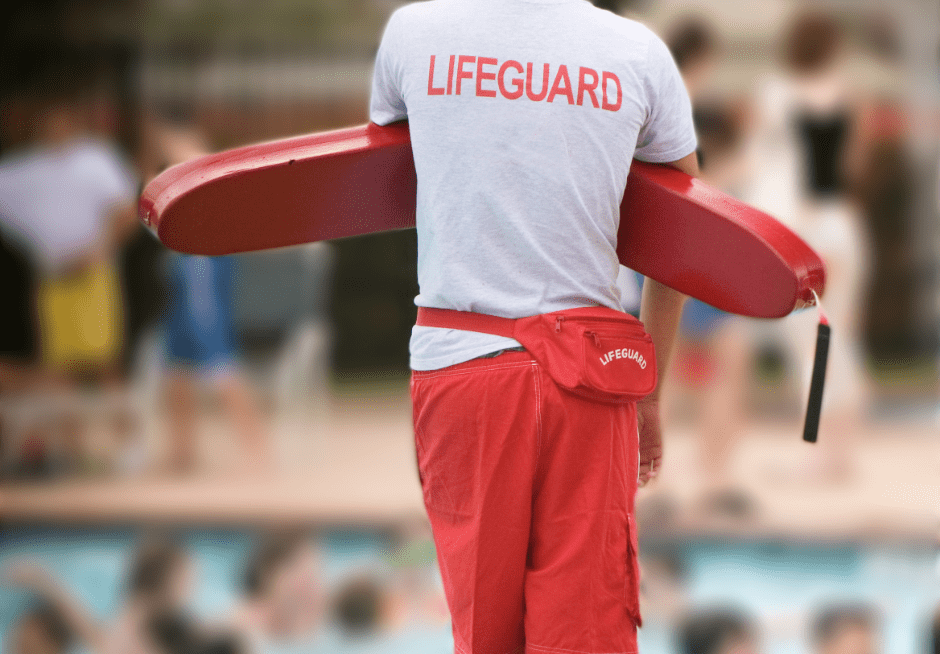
282	604
158	589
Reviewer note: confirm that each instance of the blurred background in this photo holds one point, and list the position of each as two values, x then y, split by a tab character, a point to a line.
215	454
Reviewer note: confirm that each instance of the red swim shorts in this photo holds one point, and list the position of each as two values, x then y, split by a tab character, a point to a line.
530	492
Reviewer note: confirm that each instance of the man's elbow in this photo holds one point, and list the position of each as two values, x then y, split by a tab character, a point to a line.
687	164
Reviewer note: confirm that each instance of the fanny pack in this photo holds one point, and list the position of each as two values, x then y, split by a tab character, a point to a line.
595	352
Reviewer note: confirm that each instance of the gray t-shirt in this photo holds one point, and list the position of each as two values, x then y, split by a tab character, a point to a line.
525	116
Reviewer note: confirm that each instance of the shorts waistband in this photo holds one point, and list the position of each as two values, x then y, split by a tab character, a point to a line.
500	357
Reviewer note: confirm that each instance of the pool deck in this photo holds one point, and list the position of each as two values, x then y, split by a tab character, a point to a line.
351	461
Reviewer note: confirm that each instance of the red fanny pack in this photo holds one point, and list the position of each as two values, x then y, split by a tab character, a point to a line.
595	352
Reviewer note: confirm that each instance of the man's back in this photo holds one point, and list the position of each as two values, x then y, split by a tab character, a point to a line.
524	117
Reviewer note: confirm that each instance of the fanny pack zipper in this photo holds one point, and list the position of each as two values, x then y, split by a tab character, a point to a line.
636	328
597	337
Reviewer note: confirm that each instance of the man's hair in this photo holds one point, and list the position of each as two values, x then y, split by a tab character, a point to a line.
358	606
690	40
670	561
832	620
718	128
812	41
271	553
176	632
49	74
612	6
708	631
153	567
53	624
223	645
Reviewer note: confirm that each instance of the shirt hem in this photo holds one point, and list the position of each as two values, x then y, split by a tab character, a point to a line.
669	156
437	363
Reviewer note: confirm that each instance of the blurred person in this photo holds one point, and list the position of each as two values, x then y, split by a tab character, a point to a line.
664	597
805	124
159	584
68	199
18	347
846	629
664	586
281	603
39	630
718	631
517	216
201	346
718	357
59	617
158	587
710	359
822	113
416	588
886	181
22	450
696	48
173	633
223	645
361	607
199	331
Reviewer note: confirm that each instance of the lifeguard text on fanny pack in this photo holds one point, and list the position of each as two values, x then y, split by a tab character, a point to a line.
624	353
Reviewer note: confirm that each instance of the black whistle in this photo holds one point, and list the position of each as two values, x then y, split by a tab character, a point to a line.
814	407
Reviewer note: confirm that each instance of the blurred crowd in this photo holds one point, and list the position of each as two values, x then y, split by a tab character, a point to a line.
284	601
803	149
822	138
107	331
677	622
114	353
103	328
114	349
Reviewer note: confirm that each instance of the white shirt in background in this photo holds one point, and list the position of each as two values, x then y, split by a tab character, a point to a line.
56	202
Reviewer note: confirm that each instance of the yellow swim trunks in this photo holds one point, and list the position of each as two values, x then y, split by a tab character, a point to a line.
80	319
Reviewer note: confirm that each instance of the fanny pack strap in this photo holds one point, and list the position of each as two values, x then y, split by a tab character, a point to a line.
466	320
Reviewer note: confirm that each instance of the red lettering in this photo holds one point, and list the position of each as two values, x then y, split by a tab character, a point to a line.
513	79
481	62
528	84
431	89
584	86
612	106
450	76
562	76
517	83
461	73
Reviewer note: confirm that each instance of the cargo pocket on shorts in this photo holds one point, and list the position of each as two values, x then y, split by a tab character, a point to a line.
632	583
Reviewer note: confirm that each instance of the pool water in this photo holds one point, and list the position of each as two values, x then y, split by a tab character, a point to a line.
92	563
781	584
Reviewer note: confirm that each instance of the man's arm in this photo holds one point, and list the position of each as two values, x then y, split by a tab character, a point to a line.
660	311
34	578
122	223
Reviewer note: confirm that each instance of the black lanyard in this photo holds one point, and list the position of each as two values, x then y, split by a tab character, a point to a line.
814	406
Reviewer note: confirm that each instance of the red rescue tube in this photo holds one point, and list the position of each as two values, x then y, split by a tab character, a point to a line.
361	180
